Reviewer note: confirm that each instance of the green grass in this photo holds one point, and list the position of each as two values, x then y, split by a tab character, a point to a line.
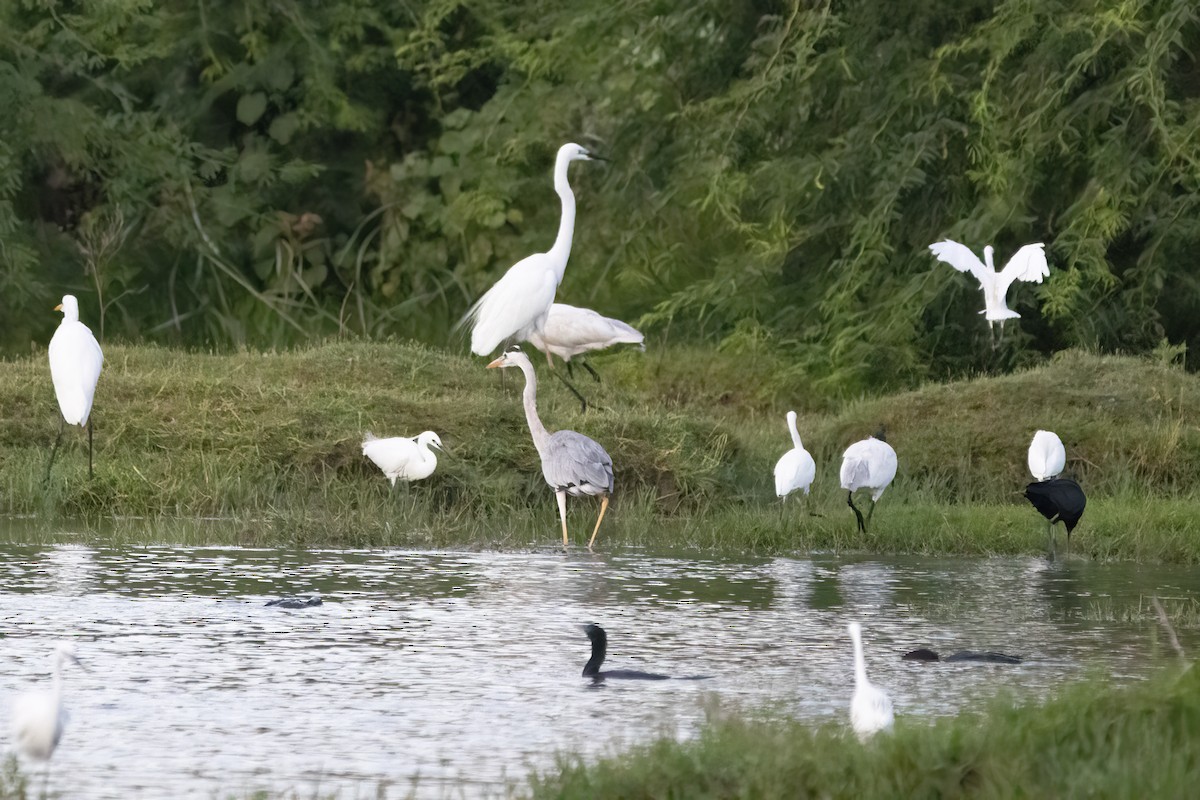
1093	740
266	448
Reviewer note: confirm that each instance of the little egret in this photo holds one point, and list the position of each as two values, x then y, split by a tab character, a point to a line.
75	361
869	464
1029	264
1058	500
796	468
572	463
870	707
570	331
401	457
38	717
1047	456
518	303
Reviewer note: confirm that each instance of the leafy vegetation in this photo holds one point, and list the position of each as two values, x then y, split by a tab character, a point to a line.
214	174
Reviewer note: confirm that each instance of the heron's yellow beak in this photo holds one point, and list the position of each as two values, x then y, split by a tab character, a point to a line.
58	307
499	362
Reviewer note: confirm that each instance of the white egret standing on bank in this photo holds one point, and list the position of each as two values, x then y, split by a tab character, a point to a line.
1047	456
869	464
571	331
1028	264
75	362
572	463
870	707
401	457
796	469
518	303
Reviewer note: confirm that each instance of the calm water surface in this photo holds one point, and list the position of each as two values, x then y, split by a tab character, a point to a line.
455	674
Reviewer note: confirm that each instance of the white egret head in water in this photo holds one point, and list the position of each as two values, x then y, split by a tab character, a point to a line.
870	707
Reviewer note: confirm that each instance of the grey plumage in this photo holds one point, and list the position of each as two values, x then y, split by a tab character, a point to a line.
572	463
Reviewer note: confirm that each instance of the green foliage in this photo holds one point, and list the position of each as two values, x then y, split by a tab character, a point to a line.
224	174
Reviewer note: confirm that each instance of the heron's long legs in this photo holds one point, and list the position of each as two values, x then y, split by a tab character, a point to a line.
583	400
62	426
599	519
562	513
91	474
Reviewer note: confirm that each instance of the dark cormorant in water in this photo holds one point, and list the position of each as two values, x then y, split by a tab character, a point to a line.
295	602
599	647
988	657
1058	500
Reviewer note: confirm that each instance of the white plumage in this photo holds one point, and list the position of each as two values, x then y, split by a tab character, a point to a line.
570	331
870	707
518	303
869	464
1028	264
401	457
796	468
75	362
1047	456
38	717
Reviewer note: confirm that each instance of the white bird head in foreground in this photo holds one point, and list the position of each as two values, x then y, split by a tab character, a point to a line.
512	357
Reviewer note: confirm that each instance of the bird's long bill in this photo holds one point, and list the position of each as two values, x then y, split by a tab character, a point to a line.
58	307
499	362
595	157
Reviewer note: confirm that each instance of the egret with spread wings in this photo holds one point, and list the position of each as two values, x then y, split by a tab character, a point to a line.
1029	264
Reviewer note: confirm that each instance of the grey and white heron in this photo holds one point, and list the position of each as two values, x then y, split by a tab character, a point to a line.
572	463
519	302
1027	264
869	464
870	707
402	457
796	468
75	362
571	331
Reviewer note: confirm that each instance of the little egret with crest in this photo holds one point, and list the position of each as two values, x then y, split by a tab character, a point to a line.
401	457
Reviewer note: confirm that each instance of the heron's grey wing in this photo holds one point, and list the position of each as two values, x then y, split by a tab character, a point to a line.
574	460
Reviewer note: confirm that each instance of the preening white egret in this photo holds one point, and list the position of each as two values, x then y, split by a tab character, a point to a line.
870	707
401	457
75	362
38	717
1058	500
1029	264
518	303
570	331
796	468
572	463
869	464
1047	456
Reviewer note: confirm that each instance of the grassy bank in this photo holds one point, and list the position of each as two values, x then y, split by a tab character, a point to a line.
270	444
1093	740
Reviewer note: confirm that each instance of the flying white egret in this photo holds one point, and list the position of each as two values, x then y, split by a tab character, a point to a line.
570	331
1029	264
518	303
1047	456
401	457
572	463
869	464
75	362
1058	500
870	707
38	717
796	468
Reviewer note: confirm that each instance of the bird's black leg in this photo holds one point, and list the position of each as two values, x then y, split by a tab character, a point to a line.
862	528
91	474
588	367
1050	537
871	513
54	450
583	400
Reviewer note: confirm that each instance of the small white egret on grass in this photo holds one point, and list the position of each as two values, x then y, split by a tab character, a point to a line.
1047	456
1028	264
401	457
571	331
518	303
572	463
869	464
75	362
870	707
38	717
796	469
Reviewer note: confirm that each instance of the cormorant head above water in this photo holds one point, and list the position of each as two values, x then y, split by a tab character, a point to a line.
591	669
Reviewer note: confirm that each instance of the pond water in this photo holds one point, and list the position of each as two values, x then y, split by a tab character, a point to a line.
453	674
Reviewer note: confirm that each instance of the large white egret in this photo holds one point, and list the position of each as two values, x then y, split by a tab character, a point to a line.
572	463
1047	456
402	457
38	717
75	362
870	707
1058	500
518	303
869	464
571	331
796	469
1028	264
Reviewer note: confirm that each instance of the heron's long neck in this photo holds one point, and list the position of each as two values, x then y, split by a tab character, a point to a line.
566	226
795	433
536	429
599	647
860	664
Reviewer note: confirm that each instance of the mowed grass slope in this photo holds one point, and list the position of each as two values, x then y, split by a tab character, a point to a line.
272	441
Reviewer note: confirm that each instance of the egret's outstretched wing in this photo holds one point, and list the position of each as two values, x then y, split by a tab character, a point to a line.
1028	264
517	302
962	259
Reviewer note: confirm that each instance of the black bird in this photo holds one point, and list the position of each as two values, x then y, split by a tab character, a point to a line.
988	657
295	602
599	647
1058	500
